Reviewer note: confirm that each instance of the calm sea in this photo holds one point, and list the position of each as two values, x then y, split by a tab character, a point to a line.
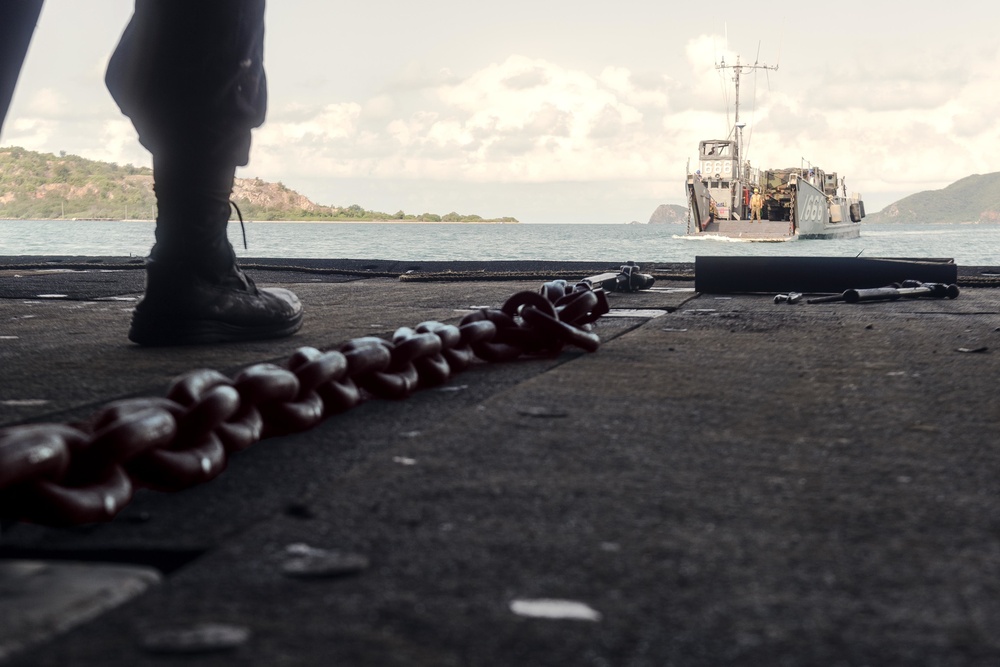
968	244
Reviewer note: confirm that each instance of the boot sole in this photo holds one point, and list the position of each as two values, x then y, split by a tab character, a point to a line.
162	333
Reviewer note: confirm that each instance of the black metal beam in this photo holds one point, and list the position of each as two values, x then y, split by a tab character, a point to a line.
729	275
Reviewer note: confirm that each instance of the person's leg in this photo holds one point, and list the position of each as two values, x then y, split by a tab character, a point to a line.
189	75
17	23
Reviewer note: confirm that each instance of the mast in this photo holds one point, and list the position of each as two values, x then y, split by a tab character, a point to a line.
739	69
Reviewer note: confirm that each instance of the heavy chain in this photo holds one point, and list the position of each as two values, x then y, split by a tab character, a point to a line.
87	472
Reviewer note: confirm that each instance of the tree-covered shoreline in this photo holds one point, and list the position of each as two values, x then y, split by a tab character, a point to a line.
44	186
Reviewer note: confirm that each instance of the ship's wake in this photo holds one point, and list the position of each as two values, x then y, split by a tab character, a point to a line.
729	239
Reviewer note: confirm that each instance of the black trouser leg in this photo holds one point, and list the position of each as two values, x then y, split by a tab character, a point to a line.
189	74
192	216
17	23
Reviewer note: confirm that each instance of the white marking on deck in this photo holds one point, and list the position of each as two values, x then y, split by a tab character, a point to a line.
645	313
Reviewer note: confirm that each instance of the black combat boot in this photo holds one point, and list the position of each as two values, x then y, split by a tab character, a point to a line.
195	292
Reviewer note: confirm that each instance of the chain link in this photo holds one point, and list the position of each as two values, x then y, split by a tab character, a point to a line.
87	472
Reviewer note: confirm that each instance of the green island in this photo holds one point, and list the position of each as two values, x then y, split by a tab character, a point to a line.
44	186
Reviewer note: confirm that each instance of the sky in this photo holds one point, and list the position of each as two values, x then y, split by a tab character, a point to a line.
558	111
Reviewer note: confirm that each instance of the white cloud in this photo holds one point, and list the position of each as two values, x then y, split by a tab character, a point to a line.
332	122
638	91
31	133
520	120
118	144
48	103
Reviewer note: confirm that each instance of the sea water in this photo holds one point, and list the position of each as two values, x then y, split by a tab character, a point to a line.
968	244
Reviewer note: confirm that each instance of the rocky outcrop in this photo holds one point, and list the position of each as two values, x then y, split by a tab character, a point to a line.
668	214
271	195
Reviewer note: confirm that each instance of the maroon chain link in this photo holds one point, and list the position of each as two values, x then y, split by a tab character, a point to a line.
66	474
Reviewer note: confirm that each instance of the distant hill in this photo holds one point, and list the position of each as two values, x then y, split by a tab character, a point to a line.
39	186
974	198
666	214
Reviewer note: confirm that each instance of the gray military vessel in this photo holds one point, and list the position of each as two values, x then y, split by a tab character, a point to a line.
797	203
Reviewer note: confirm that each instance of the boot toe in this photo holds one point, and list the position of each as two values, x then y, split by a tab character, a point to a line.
206	313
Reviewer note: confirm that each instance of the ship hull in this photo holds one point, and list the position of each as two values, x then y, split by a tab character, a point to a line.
807	214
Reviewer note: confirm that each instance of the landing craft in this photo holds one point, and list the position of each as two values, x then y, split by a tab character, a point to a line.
795	203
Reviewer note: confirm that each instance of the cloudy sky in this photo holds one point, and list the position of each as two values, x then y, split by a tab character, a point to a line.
558	111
